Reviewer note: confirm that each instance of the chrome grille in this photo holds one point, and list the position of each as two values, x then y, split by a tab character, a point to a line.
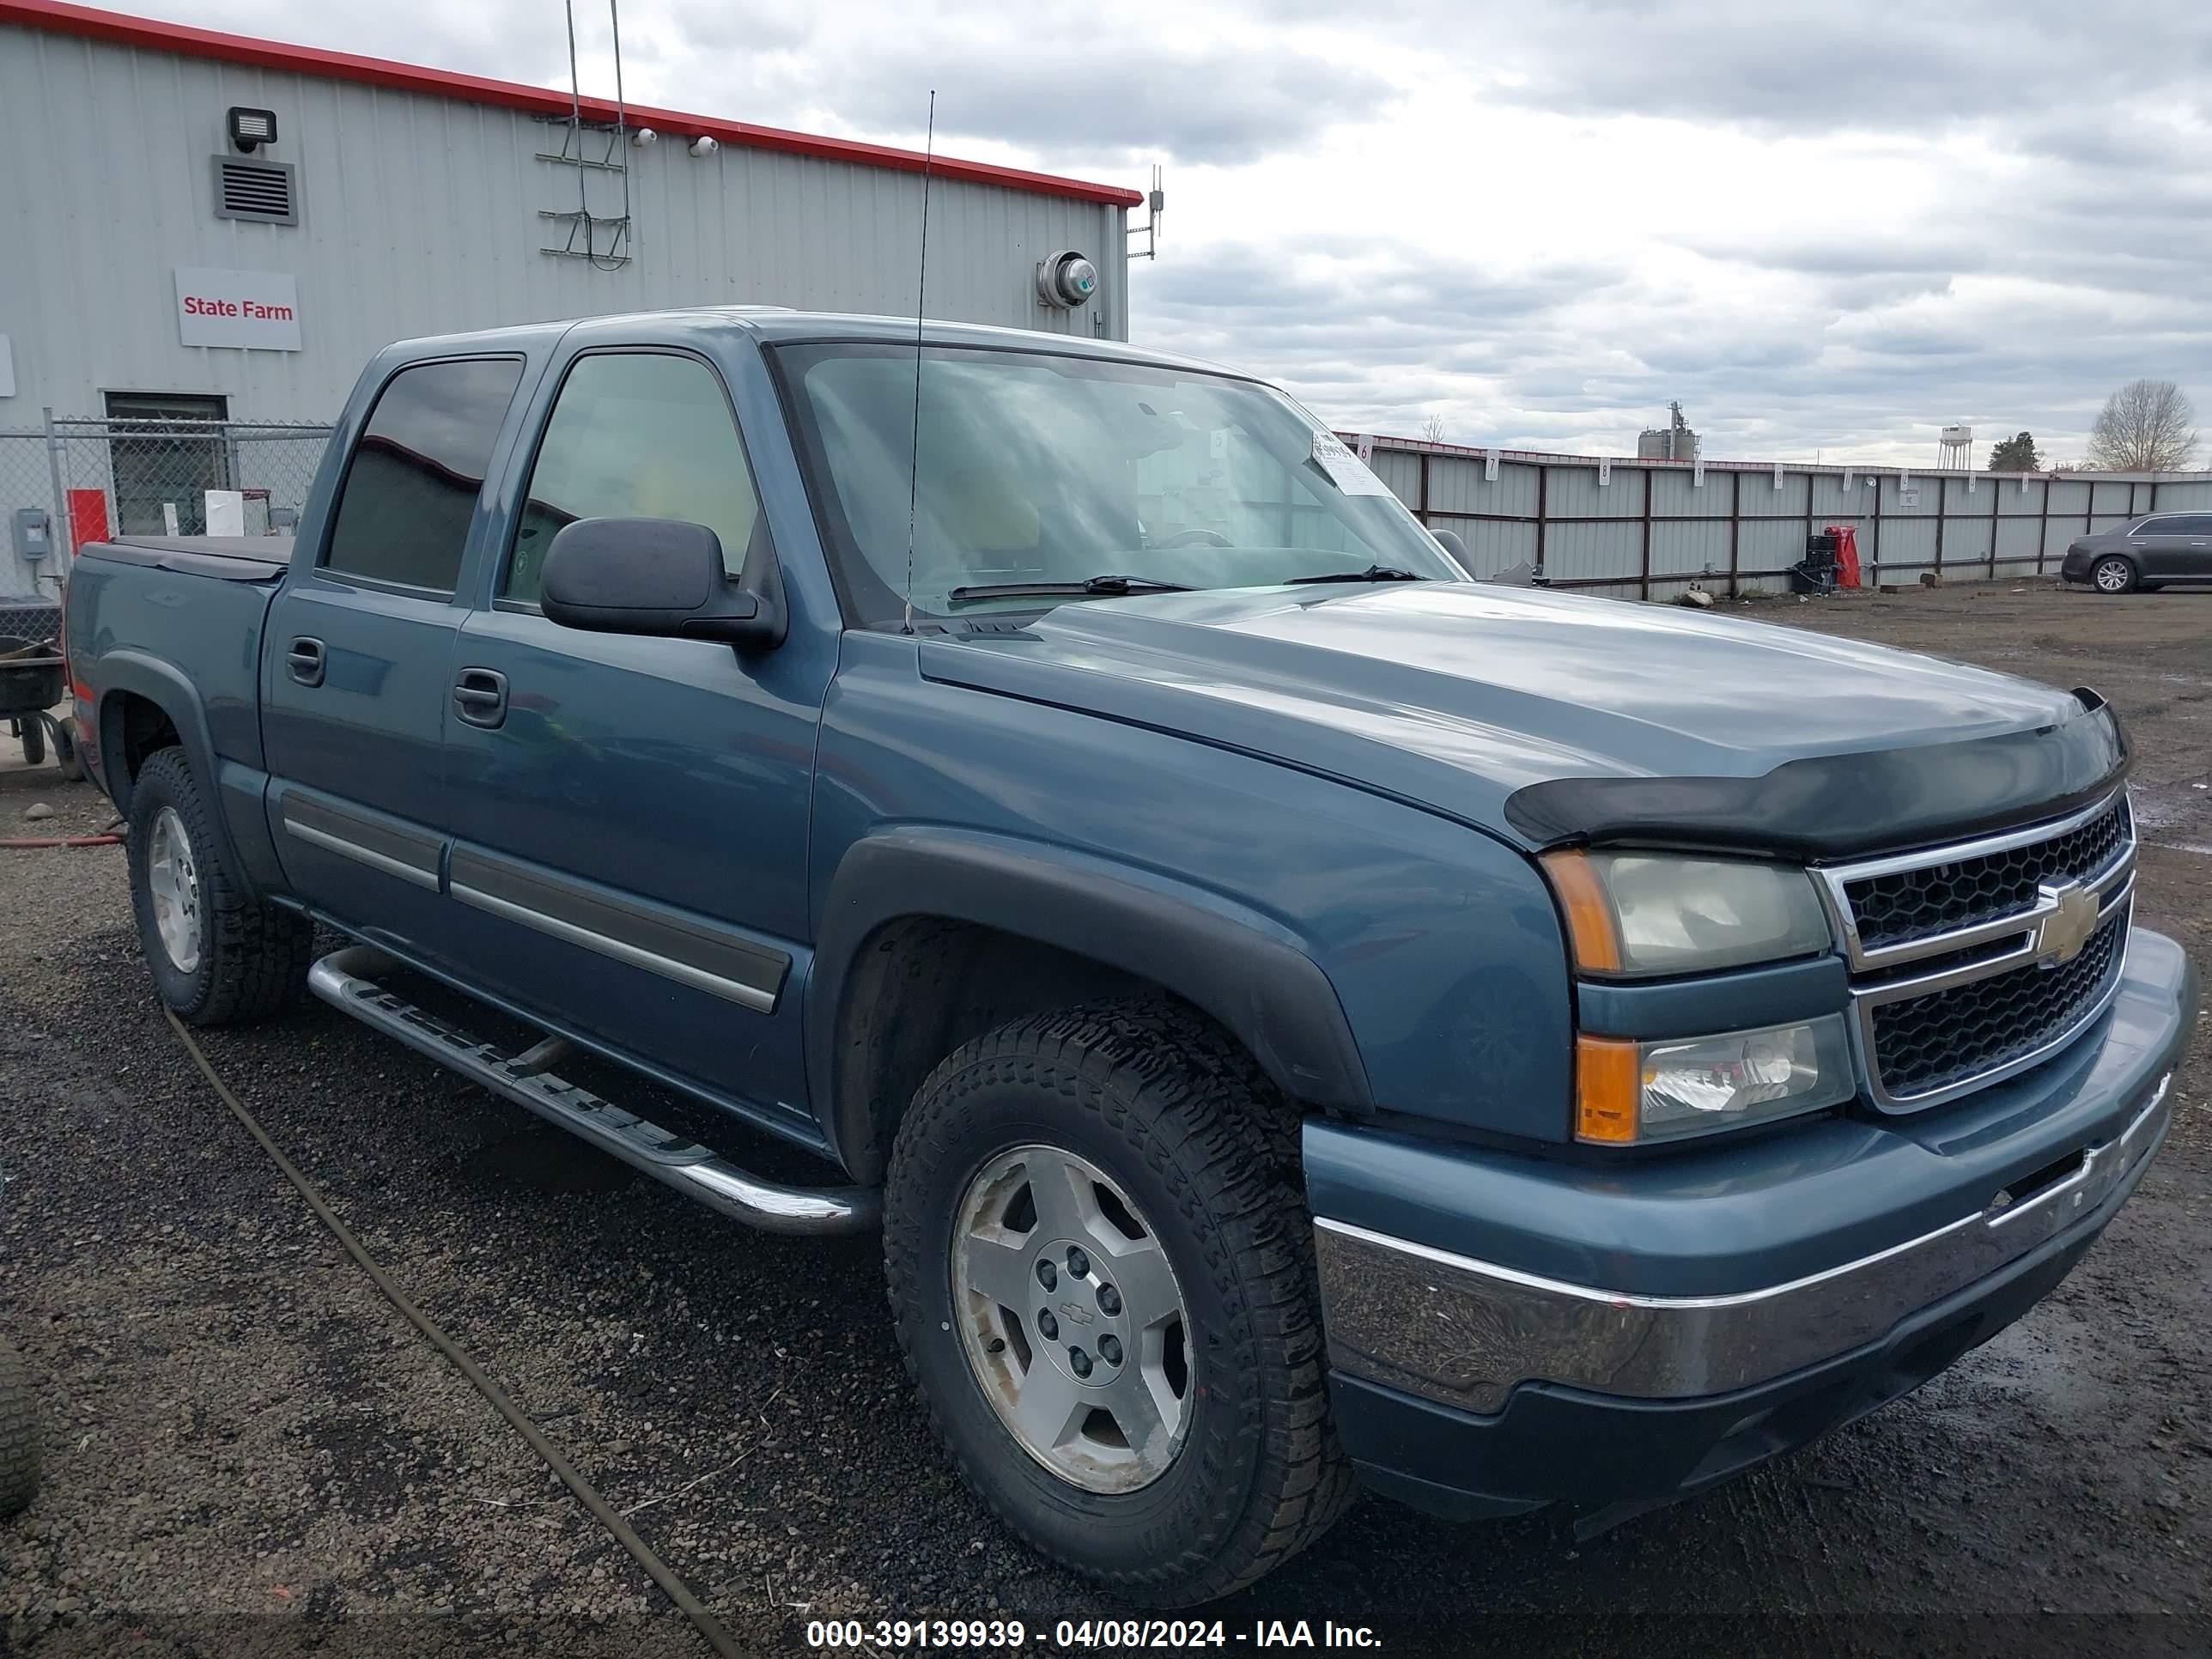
1904	905
1925	1042
1973	962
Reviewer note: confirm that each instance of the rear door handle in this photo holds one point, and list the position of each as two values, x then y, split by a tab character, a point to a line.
304	659
480	696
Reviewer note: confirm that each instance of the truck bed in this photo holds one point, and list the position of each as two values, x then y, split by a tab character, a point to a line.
226	558
156	615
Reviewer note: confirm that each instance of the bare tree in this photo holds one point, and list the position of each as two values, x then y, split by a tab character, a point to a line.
2147	426
1433	427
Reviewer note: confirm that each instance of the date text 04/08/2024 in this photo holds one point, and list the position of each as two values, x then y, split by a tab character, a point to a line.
1085	1634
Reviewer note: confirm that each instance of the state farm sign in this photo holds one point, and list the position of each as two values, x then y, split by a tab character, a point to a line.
258	309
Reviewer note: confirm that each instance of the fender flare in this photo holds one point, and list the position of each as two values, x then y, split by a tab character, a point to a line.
1245	972
164	685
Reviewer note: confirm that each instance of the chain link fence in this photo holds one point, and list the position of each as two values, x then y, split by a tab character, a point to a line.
95	477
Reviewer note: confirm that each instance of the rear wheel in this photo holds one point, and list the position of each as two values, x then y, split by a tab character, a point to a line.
1102	1269
217	955
2113	576
32	731
19	1433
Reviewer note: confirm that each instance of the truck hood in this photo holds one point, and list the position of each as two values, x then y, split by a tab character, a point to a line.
1547	717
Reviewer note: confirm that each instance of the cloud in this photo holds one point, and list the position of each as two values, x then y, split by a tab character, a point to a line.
1110	96
1882	65
1824	228
1102	85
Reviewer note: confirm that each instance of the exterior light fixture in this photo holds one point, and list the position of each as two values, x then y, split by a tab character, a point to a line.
249	129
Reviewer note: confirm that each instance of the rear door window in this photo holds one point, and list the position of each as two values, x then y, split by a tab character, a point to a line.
411	486
635	434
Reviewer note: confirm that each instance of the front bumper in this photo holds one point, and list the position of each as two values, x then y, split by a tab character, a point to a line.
2075	567
1484	1380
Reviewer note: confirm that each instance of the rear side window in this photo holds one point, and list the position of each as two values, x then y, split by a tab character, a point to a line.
2194	525
636	434
412	483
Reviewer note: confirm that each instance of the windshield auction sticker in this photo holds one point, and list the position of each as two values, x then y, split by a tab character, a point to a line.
1343	468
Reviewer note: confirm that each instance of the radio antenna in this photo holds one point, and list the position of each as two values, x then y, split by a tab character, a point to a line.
921	288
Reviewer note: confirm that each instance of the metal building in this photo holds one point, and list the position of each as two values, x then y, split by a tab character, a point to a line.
206	226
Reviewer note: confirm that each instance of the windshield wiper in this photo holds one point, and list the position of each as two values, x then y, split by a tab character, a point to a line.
1108	586
1374	573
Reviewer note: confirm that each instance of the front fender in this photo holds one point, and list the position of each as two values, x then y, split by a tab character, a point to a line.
1414	965
1243	970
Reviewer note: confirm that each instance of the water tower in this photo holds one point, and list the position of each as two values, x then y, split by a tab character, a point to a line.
1955	448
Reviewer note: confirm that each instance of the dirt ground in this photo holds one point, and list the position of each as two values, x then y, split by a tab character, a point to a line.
247	1452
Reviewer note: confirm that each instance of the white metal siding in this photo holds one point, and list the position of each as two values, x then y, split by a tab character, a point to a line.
420	214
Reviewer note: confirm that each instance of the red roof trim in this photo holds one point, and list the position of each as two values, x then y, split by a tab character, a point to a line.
117	29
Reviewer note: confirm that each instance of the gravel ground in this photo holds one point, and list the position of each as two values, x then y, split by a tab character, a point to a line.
248	1452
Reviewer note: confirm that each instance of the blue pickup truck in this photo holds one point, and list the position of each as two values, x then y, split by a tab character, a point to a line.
1298	1015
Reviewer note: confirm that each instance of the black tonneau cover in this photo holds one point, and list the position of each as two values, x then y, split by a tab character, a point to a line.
226	558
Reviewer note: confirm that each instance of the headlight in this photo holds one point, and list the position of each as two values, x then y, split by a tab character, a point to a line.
1657	912
1629	1091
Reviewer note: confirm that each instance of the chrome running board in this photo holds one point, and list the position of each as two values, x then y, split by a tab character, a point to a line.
344	979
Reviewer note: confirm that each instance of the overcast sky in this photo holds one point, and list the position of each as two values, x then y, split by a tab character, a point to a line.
1825	227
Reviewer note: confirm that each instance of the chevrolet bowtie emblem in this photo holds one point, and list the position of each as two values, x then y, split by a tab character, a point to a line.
2067	929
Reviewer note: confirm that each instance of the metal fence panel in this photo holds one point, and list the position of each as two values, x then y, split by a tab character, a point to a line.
1494	545
1652	527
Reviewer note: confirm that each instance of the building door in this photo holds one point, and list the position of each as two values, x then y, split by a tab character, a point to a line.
630	819
163	456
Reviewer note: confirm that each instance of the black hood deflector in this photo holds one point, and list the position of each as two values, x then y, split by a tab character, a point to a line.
1833	806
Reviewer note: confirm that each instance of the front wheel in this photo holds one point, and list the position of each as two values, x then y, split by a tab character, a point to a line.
2114	576
1102	1270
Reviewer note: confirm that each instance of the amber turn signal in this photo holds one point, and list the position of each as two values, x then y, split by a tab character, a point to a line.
1608	1079
1590	925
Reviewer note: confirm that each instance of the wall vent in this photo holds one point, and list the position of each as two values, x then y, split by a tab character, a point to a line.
255	189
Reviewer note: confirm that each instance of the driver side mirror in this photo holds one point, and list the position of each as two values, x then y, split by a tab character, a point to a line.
661	578
1448	540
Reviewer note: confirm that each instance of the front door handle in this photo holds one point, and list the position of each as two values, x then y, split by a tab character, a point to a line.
480	696
304	659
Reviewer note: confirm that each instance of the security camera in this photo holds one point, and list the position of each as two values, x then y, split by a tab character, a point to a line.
702	147
645	137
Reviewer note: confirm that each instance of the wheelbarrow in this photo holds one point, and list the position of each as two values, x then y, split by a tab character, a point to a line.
19	1429
31	683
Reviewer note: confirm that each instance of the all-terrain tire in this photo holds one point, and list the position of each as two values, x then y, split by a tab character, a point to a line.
1206	1150
19	1434
252	957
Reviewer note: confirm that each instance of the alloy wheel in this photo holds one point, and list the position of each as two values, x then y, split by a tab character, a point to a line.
173	879
1072	1319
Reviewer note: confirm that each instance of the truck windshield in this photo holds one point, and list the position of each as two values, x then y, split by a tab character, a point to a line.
1035	470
